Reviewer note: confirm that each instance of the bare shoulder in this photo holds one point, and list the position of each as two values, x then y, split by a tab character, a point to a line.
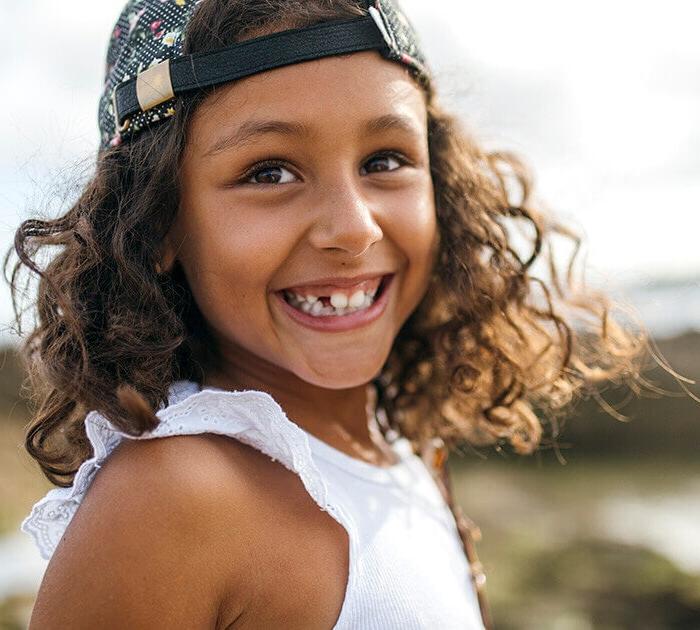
265	535
195	531
152	544
301	552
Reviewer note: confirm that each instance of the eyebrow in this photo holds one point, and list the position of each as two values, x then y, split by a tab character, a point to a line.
391	121
253	128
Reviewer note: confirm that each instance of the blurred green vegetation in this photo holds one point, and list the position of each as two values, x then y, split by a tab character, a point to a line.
558	551
601	532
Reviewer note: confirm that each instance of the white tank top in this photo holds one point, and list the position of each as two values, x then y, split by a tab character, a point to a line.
407	568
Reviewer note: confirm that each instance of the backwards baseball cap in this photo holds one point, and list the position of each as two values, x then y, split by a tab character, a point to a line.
147	71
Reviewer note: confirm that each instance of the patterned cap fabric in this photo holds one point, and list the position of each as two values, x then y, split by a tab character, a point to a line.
149	32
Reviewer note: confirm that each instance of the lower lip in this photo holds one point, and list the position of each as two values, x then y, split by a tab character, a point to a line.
340	323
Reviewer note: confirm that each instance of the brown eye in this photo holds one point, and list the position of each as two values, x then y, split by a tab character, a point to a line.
268	173
385	159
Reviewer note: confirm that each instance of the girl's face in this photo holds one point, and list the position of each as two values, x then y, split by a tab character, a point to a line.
342	202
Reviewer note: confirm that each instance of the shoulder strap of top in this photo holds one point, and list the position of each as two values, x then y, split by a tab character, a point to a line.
252	417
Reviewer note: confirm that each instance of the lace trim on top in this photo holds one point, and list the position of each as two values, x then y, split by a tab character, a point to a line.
251	416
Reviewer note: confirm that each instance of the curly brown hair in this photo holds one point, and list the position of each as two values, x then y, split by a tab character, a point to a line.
487	357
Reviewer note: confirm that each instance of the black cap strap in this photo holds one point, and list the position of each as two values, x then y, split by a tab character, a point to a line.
173	77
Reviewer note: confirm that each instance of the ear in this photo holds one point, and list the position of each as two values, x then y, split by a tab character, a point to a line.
168	255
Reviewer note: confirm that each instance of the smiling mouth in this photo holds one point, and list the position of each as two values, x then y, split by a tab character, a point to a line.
335	305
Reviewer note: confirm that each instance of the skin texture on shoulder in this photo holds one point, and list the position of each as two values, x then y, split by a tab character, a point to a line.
301	553
194	531
145	549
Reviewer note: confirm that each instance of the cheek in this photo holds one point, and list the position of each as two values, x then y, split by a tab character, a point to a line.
417	236
415	232
229	265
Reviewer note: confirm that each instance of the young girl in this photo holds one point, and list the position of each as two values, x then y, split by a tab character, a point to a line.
295	265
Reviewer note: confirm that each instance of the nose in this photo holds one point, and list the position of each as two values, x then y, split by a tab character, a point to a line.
345	220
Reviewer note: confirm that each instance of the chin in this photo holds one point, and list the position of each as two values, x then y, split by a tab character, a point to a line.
340	377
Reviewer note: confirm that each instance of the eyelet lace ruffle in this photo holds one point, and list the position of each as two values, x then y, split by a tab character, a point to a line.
252	417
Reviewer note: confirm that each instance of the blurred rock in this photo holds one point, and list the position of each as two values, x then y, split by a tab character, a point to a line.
601	585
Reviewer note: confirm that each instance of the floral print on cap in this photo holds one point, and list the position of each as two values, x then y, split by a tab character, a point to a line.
146	33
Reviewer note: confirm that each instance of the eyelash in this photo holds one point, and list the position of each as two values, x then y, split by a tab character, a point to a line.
265	164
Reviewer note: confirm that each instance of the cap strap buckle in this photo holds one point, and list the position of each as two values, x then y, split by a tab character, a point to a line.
154	86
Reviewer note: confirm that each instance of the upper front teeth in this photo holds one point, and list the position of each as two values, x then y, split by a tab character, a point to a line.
340	300
337	299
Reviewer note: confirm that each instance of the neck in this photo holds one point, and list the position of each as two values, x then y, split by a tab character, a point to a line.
339	417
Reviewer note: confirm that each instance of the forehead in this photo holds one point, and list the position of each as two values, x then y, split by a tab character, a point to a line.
329	95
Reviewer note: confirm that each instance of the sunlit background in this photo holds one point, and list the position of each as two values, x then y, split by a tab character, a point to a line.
603	101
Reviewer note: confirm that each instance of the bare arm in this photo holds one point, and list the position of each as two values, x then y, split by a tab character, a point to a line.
147	548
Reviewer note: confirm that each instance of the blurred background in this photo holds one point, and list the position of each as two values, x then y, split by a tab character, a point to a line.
603	101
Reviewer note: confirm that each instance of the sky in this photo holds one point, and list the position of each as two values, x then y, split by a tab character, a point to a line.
602	99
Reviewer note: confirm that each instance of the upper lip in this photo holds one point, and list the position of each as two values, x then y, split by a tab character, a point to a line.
337	281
